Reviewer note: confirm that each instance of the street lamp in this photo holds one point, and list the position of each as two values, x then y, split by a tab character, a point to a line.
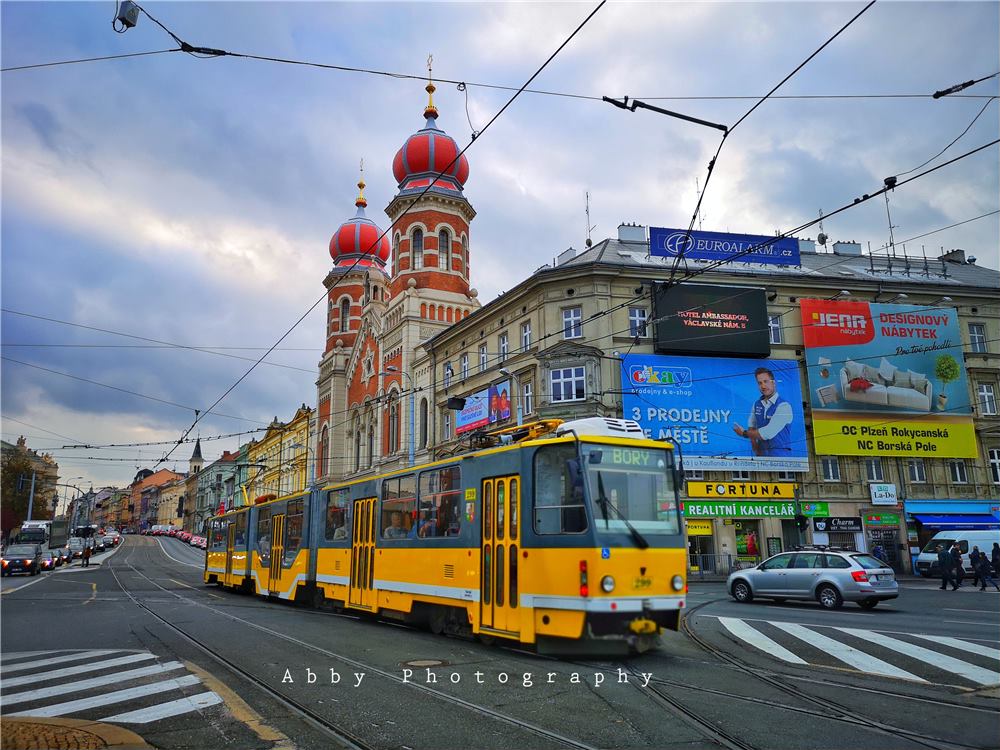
392	369
517	384
312	464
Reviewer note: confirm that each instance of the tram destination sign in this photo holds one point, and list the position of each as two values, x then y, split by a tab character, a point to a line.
721	246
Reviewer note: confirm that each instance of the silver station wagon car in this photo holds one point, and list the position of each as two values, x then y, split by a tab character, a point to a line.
829	575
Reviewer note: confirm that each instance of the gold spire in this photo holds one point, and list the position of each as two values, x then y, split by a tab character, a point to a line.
430	110
361	188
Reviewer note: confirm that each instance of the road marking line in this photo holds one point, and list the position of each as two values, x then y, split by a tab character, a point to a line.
23	585
942	661
92	667
193	588
166	710
827	625
57	659
970	622
988	611
974	648
240	710
118	696
845	653
73	687
758	640
164	551
22	654
93	593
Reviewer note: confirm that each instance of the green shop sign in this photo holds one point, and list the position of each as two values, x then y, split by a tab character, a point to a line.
882	519
738	509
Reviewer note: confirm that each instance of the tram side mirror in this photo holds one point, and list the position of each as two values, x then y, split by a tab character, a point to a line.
595	457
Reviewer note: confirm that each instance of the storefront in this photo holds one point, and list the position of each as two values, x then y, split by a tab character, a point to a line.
925	518
839	531
742	532
882	530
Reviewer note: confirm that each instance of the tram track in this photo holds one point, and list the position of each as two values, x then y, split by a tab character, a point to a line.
344	737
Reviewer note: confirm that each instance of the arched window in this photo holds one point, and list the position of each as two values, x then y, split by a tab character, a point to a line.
345	315
393	424
368	290
465	255
371	445
417	249
423	423
357	443
324	451
395	254
444	250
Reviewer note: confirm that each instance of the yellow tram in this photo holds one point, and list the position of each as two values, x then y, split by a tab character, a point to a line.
570	534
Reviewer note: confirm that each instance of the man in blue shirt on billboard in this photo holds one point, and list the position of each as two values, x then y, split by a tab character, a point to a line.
769	426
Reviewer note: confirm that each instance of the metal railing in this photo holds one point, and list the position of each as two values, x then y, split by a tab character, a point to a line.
705	567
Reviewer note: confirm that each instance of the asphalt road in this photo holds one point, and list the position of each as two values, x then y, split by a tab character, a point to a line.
255	673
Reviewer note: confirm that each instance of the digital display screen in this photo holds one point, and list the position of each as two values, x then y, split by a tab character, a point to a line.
711	319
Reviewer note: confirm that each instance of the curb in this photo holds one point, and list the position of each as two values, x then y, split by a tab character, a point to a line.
27	733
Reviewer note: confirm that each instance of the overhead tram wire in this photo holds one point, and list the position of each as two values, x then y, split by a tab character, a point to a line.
405	211
123	390
727	133
957	139
168	344
86	60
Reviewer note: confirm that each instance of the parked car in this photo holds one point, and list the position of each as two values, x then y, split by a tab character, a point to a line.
22	558
109	541
98	543
829	575
76	545
65	556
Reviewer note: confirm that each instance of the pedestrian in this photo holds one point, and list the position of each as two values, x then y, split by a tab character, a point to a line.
944	562
984	573
86	556
956	560
996	558
974	562
879	552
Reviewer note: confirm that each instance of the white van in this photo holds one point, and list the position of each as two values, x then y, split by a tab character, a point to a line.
927	563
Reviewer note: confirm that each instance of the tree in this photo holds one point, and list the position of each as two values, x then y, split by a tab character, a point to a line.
946	369
14	499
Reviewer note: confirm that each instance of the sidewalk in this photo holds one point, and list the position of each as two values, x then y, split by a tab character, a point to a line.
95	561
27	733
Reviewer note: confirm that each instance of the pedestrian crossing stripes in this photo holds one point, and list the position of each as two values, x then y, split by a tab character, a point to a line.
909	656
127	689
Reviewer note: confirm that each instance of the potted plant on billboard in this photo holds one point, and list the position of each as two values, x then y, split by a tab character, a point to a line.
946	370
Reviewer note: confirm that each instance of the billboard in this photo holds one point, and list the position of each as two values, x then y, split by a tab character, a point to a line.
484	408
887	380
745	248
711	319
724	414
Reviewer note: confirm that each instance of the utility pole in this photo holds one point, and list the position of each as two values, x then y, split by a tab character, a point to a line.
31	495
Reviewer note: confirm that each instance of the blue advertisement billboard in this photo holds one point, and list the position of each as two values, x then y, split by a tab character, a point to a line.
724	414
484	408
698	245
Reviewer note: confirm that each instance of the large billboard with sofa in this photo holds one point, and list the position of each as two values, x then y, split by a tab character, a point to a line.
723	414
887	380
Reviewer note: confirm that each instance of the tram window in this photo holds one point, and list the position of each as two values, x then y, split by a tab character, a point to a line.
559	500
240	534
513	575
440	503
514	502
501	509
337	503
293	531
399	506
264	537
218	535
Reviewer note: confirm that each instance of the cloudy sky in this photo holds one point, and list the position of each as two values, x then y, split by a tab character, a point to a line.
187	201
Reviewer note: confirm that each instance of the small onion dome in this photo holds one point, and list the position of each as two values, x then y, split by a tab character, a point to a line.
428	152
358	239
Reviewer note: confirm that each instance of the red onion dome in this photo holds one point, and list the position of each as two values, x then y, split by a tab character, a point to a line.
359	239
427	153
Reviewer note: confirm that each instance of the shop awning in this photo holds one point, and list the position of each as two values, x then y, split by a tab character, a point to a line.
958	522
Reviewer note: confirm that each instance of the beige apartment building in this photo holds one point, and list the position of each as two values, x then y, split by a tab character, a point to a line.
558	344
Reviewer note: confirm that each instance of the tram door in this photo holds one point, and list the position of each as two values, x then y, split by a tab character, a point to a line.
499	593
361	593
277	552
230	546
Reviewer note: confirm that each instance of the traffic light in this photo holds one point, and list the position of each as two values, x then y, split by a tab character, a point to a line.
801	522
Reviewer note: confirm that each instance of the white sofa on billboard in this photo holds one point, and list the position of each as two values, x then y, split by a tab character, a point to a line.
891	386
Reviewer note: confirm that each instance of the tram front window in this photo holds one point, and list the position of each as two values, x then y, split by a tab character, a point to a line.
631	484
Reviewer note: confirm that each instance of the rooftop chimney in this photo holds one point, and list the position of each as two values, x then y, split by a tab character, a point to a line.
955	256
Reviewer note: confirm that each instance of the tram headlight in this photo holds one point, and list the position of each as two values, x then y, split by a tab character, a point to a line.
607	584
677	582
